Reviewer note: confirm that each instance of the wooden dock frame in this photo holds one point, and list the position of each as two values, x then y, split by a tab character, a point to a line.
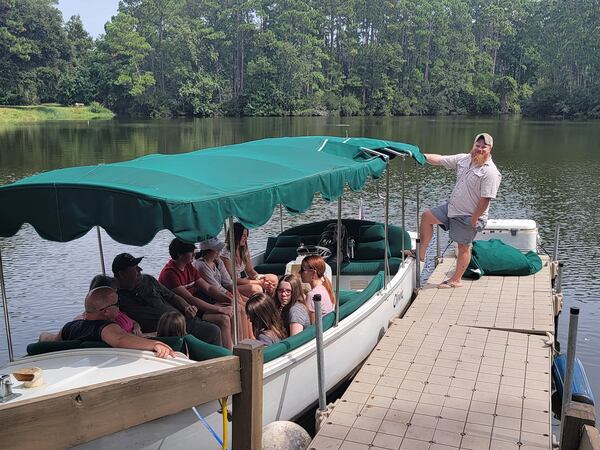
80	415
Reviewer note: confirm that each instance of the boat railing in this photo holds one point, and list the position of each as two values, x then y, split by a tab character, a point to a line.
105	408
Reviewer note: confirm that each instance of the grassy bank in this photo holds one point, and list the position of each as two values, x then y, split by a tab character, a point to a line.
17	114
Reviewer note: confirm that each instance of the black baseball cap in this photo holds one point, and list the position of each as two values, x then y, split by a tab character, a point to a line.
124	260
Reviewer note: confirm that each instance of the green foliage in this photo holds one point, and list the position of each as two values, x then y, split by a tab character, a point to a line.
162	58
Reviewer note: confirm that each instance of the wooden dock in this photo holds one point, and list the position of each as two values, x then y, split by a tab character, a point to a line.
465	368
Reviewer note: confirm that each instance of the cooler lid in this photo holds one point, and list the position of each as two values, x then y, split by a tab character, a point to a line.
511	224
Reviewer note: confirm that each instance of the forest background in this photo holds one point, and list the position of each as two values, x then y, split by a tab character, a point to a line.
160	58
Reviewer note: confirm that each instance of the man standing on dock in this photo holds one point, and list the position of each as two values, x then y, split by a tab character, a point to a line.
466	212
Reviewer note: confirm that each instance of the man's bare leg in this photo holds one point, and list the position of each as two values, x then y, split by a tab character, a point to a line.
428	220
462	262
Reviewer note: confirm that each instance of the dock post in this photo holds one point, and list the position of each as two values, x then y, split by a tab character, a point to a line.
558	283
320	359
568	385
556	238
248	404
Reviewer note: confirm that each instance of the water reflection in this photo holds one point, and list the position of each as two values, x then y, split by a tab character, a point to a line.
550	172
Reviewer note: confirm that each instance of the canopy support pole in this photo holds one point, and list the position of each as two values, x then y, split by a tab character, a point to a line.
338	262
235	281
101	250
280	218
11	355
386	214
402	175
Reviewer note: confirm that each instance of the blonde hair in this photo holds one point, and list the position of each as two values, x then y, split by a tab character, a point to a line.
264	315
171	324
317	263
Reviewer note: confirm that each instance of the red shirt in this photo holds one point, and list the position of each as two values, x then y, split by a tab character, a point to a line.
172	277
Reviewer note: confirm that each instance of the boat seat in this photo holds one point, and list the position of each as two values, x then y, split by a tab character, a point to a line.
198	350
369	247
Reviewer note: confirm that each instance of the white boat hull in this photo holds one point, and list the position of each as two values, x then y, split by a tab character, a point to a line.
290	386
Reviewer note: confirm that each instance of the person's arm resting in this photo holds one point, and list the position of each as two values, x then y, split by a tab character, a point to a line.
482	205
114	336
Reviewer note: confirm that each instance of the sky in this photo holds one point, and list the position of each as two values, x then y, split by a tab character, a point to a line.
94	13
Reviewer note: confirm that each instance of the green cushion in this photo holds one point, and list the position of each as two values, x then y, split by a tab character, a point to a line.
370	250
37	348
287	241
275	268
395	236
201	351
281	255
372	267
371	233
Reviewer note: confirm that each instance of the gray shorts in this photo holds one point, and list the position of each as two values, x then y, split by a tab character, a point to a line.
460	229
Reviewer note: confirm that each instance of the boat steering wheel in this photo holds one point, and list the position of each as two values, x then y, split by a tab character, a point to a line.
305	250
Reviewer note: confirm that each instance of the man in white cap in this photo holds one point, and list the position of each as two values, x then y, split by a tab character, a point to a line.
466	212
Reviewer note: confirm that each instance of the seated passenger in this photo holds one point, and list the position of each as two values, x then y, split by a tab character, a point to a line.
181	277
144	299
122	319
249	280
312	271
294	312
266	321
98	324
171	324
210	266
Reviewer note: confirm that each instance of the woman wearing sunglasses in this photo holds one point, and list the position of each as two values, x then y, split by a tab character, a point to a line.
312	271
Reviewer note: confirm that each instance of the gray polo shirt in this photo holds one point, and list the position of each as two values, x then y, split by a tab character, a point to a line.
472	183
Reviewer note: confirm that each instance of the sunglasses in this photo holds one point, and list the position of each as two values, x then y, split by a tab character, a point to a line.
303	269
109	306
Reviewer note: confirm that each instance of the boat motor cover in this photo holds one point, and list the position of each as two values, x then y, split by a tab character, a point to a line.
494	257
582	392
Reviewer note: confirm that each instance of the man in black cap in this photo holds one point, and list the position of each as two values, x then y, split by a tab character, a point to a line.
145	300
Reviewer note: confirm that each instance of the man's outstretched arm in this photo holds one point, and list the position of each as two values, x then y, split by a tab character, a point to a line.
433	159
114	336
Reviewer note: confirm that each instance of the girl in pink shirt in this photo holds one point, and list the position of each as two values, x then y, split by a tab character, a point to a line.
312	271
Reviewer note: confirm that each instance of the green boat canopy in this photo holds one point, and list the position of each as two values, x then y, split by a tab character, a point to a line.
192	194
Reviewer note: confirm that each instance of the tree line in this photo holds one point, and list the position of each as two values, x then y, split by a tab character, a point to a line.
161	58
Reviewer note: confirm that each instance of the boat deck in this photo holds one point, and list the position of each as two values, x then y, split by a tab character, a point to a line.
465	368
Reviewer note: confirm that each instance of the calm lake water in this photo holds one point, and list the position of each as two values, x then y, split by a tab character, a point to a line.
550	174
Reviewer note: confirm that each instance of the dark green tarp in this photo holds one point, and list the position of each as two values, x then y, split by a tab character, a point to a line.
192	194
494	257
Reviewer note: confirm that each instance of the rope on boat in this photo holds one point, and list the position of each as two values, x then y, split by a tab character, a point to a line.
204	422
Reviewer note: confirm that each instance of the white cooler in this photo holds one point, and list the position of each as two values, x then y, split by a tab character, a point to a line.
519	233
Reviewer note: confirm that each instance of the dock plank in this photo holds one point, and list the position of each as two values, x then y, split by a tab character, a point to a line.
465	368
443	386
509	303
